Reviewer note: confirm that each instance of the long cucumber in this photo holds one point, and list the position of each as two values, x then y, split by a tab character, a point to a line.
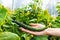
29	27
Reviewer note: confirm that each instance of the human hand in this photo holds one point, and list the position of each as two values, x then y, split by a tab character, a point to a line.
48	31
44	32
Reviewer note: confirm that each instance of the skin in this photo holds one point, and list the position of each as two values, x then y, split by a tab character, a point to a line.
48	31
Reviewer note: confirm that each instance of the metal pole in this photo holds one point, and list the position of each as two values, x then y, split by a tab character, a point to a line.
12	5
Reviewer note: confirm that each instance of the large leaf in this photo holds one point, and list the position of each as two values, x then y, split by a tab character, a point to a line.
3	14
9	36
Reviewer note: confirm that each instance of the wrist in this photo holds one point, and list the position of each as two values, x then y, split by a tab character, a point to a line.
47	31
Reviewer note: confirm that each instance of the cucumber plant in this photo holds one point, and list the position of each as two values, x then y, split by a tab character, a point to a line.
3	14
33	14
4	35
30	14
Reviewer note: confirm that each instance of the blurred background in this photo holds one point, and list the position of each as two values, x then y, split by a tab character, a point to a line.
46	4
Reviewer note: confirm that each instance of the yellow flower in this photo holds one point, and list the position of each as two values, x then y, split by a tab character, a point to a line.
34	6
9	12
32	35
28	12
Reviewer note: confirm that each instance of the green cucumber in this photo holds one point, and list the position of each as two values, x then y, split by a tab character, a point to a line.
29	27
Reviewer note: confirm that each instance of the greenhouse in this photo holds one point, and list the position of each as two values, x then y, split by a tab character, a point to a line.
29	19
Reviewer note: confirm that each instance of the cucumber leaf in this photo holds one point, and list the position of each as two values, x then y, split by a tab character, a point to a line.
40	38
9	36
3	14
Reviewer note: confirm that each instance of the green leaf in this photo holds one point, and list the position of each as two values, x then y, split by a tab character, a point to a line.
8	36
3	14
58	7
40	38
36	0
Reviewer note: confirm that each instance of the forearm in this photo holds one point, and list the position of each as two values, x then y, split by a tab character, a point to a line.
53	31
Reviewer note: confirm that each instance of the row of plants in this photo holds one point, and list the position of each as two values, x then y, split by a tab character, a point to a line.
33	13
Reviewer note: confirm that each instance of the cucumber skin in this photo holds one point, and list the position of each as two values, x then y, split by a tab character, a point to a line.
28	27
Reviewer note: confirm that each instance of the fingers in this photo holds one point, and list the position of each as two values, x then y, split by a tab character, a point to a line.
31	32
25	30
33	24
